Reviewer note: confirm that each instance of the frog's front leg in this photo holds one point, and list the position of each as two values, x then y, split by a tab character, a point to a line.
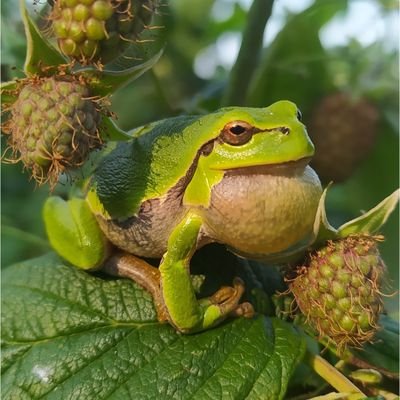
187	313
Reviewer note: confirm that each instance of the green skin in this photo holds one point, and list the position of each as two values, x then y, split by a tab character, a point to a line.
238	176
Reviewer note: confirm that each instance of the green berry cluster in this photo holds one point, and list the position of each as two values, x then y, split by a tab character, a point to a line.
99	30
53	126
339	290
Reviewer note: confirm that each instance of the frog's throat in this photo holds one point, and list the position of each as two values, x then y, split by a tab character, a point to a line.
286	168
198	190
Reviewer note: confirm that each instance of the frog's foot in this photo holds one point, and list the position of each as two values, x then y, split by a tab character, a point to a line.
124	265
245	310
227	301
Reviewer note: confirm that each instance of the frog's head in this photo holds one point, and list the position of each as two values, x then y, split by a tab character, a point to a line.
252	137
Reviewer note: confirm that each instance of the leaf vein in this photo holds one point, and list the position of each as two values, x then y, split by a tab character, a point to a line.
141	367
236	345
69	333
90	361
68	302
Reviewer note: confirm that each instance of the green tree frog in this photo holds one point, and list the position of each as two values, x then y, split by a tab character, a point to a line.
238	176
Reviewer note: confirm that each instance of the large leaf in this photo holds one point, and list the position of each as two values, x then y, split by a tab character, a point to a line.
69	335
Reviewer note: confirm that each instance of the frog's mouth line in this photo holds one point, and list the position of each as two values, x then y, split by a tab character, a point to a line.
283	168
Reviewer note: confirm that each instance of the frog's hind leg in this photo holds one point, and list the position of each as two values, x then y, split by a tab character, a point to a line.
126	265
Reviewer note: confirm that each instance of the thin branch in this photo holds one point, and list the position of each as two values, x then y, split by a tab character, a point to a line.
249	53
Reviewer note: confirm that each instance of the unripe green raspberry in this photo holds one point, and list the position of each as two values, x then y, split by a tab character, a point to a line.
53	126
343	131
99	30
344	308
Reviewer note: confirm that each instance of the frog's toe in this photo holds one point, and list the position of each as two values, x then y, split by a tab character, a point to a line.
245	310
227	300
222	295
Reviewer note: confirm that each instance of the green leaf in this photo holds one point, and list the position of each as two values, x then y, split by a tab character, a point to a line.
323	230
68	335
40	53
108	81
371	221
110	131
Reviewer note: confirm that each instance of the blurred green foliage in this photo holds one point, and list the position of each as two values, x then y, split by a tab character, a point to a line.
295	65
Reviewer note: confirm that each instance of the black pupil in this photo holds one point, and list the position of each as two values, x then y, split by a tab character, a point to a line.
237	129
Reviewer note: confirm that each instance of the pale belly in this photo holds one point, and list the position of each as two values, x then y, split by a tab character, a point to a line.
263	213
146	235
254	214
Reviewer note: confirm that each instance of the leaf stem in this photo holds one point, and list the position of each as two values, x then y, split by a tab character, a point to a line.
246	62
331	375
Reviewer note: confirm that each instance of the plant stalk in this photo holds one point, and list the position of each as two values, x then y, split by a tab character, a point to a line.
249	53
331	375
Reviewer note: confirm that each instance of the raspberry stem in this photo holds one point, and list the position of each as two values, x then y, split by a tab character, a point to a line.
331	375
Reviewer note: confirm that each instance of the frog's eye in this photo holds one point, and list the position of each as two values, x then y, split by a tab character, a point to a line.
237	133
299	116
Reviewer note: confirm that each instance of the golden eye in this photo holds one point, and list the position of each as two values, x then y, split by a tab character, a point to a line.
237	133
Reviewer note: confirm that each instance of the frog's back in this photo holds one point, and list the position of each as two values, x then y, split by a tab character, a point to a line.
150	164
